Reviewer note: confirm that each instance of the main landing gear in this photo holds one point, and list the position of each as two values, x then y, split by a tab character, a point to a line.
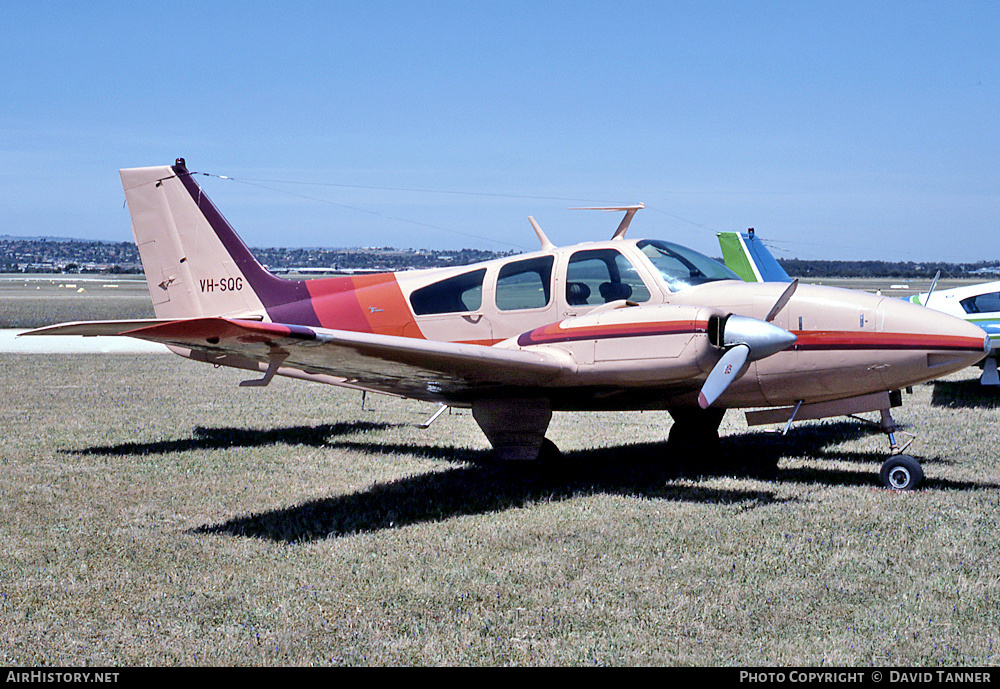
516	428
899	472
695	432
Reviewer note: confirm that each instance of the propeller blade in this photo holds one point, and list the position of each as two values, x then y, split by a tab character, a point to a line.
782	300
724	373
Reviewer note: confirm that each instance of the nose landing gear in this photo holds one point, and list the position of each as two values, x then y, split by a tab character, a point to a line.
899	472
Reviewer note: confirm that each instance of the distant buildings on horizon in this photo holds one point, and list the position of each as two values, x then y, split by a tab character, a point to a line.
59	255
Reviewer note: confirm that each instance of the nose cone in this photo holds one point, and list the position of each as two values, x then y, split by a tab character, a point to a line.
920	344
763	338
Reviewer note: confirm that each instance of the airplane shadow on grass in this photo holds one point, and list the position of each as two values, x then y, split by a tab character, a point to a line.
221	438
645	470
479	485
965	394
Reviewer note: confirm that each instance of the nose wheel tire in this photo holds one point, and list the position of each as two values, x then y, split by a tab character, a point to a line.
901	472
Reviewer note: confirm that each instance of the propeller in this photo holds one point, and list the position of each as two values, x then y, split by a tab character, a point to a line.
782	300
723	374
743	339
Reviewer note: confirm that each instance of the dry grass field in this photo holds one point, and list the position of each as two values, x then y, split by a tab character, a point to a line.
154	513
31	301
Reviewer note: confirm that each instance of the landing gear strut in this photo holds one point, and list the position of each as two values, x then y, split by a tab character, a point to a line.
899	472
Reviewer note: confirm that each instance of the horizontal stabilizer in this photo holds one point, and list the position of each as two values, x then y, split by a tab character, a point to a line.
96	328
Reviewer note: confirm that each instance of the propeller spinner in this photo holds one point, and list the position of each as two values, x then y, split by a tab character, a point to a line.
743	339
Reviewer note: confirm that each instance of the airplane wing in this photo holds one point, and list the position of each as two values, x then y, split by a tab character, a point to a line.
421	369
457	373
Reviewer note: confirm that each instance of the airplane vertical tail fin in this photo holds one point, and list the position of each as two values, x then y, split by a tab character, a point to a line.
746	255
195	263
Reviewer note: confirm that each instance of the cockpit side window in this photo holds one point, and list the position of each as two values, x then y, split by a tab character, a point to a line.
452	295
599	276
525	284
982	303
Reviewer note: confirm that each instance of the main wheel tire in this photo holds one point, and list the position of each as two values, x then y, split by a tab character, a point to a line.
901	472
694	434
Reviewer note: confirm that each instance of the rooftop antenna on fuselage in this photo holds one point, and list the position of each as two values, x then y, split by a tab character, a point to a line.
629	212
546	244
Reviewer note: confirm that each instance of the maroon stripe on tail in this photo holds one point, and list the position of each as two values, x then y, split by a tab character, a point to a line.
270	289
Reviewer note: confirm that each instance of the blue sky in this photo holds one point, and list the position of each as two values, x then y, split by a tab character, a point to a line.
845	130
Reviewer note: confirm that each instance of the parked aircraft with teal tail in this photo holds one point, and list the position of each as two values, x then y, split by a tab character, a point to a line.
746	255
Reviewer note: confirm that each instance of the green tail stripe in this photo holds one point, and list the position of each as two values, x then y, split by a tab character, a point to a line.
735	258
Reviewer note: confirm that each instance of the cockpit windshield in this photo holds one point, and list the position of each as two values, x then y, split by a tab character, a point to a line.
682	267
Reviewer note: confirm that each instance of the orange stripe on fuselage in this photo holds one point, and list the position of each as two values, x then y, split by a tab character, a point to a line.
363	303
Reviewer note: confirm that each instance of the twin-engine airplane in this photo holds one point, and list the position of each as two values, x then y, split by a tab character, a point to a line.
615	325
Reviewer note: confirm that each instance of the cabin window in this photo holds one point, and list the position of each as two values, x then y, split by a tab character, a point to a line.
453	295
524	284
598	276
982	303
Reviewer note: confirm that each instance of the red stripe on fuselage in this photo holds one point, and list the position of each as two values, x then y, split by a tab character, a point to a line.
807	340
817	340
